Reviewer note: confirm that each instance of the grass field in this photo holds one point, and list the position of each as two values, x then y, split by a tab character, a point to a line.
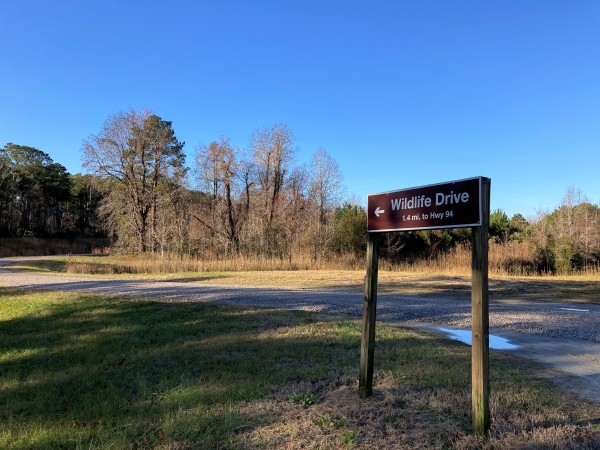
90	371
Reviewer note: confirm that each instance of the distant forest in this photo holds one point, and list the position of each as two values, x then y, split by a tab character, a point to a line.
252	202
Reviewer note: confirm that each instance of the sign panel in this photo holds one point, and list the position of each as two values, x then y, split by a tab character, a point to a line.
455	204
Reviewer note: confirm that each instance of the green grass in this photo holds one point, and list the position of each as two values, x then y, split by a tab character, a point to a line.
133	370
90	371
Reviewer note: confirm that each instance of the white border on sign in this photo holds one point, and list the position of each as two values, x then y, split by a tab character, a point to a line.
428	228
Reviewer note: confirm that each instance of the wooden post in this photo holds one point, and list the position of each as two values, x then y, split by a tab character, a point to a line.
480	318
367	346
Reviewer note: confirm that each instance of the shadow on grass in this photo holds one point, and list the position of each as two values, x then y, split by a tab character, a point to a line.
90	367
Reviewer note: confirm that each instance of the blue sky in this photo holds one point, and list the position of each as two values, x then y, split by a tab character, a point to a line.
400	93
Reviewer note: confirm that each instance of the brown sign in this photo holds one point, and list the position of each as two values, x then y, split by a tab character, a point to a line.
454	204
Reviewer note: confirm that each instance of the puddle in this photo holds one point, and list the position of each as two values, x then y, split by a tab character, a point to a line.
575	309
496	342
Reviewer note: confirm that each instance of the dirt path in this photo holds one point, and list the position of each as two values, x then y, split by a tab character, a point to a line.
563	336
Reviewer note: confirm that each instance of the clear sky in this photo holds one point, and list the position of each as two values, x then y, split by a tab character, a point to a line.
400	93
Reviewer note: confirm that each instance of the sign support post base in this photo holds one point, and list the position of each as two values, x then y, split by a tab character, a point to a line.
480	326
367	346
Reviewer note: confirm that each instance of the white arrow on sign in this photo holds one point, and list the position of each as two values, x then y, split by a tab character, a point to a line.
379	211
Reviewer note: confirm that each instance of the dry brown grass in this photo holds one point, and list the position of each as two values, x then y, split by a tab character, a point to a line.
167	263
403	417
511	259
504	259
413	409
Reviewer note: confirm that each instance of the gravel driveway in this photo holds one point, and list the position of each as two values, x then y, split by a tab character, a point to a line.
565	336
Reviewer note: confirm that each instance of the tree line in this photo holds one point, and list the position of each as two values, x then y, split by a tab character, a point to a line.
38	197
255	201
230	201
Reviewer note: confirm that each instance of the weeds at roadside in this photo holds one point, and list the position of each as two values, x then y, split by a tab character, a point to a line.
349	437
328	422
304	399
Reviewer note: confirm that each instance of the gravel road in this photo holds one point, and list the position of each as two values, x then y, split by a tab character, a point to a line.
555	320
565	336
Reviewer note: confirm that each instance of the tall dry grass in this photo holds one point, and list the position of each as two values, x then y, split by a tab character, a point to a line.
147	264
514	258
28	246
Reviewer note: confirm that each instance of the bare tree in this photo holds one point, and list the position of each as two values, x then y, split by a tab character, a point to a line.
563	222
227	180
209	178
570	235
140	153
274	154
326	183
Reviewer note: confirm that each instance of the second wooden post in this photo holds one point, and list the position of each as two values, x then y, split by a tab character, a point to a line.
480	390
